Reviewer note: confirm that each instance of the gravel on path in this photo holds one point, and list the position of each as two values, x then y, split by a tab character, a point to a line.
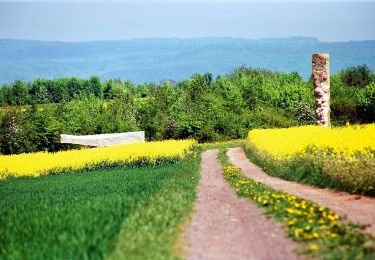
356	208
225	226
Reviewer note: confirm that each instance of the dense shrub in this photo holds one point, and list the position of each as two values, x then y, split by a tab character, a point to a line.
366	103
359	76
11	132
343	102
270	118
304	113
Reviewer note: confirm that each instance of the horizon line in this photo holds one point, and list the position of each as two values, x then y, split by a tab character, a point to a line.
186	38
185	1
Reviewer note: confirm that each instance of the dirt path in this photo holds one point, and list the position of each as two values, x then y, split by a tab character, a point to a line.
227	227
357	208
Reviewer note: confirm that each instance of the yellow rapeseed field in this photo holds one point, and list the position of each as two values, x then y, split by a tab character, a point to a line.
40	163
287	142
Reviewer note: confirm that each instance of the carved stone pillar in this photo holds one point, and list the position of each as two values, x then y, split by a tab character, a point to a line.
320	70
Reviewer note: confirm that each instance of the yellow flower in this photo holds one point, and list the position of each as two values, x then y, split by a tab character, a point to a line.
36	164
314	247
332	217
289	210
297	232
283	143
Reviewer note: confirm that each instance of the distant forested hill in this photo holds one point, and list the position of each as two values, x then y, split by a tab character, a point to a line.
154	60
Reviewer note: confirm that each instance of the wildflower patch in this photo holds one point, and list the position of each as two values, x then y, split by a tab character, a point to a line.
321	231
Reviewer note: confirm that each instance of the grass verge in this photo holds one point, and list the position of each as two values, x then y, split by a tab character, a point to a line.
221	144
322	232
321	168
116	213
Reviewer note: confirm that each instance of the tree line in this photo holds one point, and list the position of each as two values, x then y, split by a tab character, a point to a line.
34	114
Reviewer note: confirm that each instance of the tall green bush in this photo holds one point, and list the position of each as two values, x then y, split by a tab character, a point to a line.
357	76
366	103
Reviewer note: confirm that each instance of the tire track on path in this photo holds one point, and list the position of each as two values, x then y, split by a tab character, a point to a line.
225	226
359	209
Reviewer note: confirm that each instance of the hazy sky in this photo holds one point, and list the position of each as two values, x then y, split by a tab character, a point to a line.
332	20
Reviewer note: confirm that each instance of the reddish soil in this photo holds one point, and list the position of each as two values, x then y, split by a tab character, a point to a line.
356	208
225	226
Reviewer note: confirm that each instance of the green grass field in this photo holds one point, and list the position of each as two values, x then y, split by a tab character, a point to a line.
116	213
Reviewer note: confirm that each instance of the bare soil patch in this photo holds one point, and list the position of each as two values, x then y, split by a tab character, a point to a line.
356	208
225	226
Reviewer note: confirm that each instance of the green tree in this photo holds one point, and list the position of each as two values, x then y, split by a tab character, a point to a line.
11	131
8	97
42	130
94	86
108	92
359	76
74	87
39	92
366	103
2	100
20	93
58	90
